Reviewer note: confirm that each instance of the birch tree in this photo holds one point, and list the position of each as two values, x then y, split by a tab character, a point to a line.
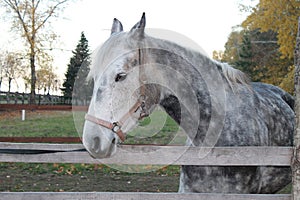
296	160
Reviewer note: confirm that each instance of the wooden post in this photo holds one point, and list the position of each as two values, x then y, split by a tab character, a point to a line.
16	97
23	97
295	159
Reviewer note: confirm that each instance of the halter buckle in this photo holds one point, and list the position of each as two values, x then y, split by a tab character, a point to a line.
116	127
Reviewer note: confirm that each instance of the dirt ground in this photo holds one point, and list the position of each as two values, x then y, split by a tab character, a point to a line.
23	179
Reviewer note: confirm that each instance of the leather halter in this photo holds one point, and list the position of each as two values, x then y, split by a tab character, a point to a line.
116	127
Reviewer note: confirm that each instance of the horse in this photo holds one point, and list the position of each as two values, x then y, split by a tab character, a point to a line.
214	103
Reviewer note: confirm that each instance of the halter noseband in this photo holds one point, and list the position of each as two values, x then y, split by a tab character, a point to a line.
116	126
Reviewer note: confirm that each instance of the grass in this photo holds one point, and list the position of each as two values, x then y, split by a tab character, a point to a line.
158	128
38	124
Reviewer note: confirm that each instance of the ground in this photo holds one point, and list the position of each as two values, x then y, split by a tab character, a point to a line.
20	178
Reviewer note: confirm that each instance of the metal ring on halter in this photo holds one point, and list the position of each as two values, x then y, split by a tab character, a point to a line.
116	127
142	98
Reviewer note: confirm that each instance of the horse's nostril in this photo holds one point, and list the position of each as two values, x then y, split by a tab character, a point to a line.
113	141
96	144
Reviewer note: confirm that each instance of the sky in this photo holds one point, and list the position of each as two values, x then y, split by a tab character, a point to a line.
206	22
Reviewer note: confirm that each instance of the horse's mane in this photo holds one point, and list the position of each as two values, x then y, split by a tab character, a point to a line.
233	75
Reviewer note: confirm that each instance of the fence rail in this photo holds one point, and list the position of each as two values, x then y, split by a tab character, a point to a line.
41	139
146	155
135	196
156	155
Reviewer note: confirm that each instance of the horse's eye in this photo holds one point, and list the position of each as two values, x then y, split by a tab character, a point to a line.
120	77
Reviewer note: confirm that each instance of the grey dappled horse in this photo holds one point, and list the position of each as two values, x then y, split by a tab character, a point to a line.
215	104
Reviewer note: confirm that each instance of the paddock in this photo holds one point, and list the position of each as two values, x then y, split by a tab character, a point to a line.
148	155
161	155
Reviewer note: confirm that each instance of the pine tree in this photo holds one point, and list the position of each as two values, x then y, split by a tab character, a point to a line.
245	61
79	61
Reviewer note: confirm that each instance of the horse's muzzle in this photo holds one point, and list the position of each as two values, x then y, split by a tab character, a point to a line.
99	144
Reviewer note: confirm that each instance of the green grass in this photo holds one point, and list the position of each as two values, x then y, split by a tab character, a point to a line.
39	124
158	128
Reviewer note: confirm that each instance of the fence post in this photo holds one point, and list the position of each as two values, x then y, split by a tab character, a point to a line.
296	159
16	97
23	97
39	99
8	97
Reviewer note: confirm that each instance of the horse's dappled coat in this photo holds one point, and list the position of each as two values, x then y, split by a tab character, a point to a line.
214	103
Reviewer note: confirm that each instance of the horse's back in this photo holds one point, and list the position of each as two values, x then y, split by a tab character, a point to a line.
258	115
276	108
271	90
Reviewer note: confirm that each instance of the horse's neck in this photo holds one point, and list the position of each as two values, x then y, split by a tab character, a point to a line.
195	90
184	95
184	115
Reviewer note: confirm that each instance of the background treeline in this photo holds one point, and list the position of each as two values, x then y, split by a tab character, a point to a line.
263	45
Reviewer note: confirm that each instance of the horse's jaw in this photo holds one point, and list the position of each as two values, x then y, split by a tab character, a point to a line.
100	143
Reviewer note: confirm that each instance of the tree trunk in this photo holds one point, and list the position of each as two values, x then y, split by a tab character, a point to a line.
9	84
33	75
0	82
296	158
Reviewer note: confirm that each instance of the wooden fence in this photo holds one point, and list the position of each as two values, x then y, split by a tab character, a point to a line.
23	98
148	155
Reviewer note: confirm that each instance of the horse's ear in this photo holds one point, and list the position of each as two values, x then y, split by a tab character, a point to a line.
116	27
139	27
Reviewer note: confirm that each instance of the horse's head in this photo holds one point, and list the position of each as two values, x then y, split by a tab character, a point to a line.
120	96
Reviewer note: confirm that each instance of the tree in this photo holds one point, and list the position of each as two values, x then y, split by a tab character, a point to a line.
245	61
280	17
257	54
78	68
218	55
295	159
231	53
29	18
46	80
11	67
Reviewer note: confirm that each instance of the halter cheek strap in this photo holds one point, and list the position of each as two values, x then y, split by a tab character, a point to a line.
112	126
116	126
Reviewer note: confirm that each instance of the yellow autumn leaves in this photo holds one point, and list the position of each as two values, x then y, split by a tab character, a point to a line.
280	16
263	45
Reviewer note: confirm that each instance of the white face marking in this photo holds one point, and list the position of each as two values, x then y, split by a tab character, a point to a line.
115	92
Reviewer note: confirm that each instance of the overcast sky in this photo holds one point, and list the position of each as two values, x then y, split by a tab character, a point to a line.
206	22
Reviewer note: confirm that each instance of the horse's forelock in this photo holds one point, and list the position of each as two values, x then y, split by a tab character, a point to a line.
102	56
